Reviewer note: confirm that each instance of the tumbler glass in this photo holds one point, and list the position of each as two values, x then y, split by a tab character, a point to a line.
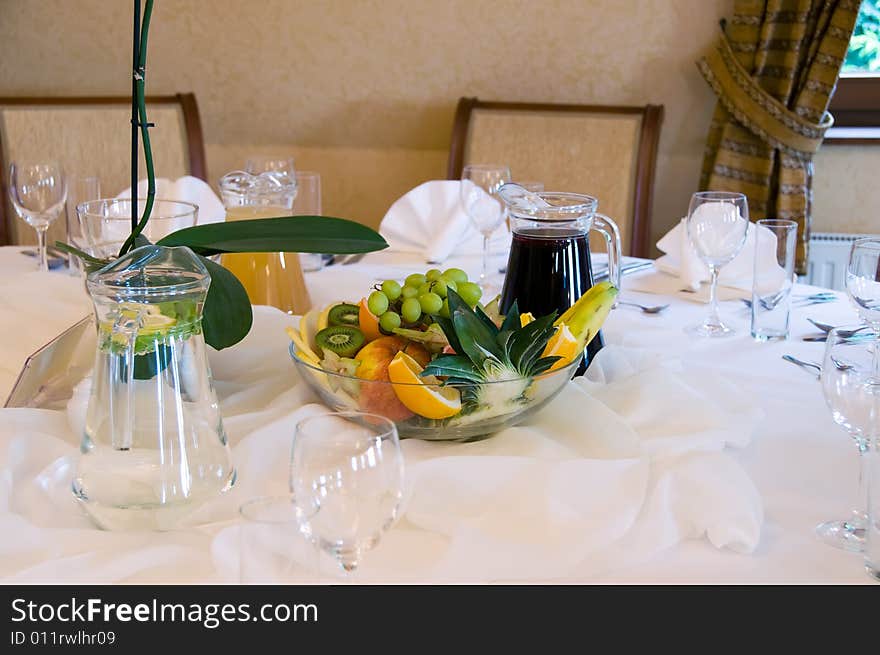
775	246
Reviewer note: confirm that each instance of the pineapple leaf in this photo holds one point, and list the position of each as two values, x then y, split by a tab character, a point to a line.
511	320
455	366
483	316
544	364
503	340
449	330
533	337
477	341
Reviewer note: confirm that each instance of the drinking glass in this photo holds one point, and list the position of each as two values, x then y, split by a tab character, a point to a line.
852	392
308	203
479	198
773	278
717	225
38	192
106	223
863	284
256	164
347	473
272	548
79	189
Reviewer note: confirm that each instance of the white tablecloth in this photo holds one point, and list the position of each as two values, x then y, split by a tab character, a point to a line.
803	466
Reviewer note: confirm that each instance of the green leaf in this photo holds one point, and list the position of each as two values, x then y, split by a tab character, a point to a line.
449	330
477	341
512	320
544	364
227	316
487	321
529	342
321	234
456	366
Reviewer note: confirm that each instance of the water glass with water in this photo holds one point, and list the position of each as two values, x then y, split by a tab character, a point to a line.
775	246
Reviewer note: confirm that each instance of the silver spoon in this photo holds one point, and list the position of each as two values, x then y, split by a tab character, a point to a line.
803	364
844	334
648	309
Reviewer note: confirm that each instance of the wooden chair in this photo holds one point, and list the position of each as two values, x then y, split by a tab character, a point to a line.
92	136
606	152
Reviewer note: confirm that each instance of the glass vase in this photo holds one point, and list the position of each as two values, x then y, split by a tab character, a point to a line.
153	450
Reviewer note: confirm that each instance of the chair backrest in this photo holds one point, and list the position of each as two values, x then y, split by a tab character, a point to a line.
606	152
92	136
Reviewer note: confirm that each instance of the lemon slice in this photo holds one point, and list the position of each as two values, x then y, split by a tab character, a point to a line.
525	319
562	344
420	395
305	352
156	323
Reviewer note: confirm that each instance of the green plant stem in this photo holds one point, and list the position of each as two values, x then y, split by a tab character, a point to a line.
140	80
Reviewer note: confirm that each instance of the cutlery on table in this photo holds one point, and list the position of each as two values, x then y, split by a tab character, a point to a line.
353	259
647	309
844	334
803	364
822	338
803	301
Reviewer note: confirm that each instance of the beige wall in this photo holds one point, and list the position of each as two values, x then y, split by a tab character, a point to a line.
846	189
364	90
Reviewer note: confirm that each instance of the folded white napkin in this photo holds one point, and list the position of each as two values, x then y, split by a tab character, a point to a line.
681	259
430	220
189	189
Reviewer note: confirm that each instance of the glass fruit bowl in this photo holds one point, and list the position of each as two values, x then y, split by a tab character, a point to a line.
486	408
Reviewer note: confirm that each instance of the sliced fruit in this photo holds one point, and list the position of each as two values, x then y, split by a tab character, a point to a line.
586	316
324	316
526	318
368	322
422	395
308	328
562	344
376	395
343	314
302	347
343	340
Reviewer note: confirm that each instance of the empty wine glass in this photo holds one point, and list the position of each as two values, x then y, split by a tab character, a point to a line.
852	392
347	474
717	225
479	187
38	192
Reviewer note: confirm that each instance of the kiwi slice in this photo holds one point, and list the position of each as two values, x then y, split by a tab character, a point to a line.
343	340
343	314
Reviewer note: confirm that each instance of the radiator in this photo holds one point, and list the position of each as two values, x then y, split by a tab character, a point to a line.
829	254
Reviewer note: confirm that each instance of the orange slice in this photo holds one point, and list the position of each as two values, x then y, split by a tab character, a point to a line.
525	319
368	322
562	344
420	395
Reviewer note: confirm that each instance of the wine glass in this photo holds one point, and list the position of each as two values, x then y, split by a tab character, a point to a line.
852	392
38	192
717	225
863	279
347	474
479	187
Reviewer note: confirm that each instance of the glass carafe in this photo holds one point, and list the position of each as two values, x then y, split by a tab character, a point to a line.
549	266
271	278
154	449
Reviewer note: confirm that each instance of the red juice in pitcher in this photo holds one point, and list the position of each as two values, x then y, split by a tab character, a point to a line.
549	264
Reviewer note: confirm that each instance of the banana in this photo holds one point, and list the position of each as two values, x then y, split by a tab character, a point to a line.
587	315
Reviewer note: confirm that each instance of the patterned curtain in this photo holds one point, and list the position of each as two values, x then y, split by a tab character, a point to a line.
774	71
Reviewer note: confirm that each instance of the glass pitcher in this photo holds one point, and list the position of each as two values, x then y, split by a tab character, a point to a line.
270	278
154	449
549	266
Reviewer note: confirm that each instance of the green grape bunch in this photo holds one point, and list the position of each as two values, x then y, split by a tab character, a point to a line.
421	298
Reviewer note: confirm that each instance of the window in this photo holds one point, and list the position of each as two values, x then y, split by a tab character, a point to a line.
856	103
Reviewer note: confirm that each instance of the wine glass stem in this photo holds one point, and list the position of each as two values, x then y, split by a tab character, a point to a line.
484	276
714	318
41	247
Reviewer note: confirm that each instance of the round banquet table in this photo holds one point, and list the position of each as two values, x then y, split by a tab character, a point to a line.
803	466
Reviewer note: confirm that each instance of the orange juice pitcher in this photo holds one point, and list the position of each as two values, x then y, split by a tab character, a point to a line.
270	278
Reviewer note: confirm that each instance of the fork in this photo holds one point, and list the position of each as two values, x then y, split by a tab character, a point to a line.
844	334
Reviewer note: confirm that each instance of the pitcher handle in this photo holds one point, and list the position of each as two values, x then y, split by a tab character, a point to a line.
608	229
